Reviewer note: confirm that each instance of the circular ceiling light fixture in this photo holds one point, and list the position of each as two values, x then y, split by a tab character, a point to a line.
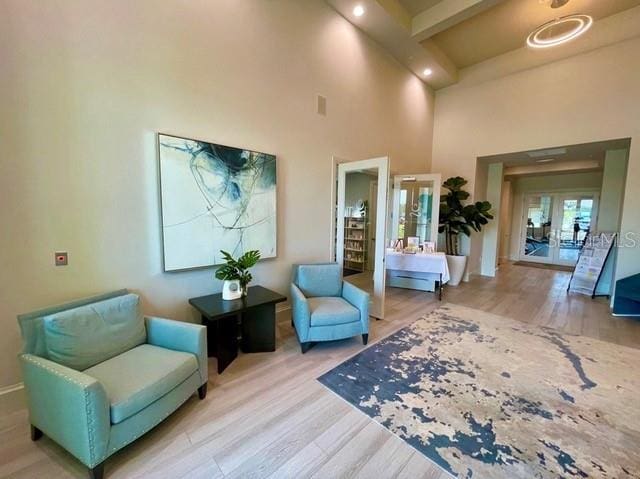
358	10
559	31
427	72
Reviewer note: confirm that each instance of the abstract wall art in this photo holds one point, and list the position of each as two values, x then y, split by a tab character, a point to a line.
214	198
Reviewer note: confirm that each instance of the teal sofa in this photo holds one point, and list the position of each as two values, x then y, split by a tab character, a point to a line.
325	307
98	374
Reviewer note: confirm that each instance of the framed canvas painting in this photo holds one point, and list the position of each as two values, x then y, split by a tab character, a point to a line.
213	198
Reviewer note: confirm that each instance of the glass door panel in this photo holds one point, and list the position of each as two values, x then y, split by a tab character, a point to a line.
577	217
415	208
537	238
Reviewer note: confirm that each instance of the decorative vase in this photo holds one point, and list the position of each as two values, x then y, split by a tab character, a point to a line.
231	289
457	265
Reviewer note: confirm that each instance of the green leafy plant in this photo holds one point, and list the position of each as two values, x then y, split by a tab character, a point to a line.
457	218
238	269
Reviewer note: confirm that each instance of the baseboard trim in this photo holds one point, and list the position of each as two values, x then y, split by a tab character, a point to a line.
12	398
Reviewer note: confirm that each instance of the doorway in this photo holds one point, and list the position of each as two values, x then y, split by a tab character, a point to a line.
555	226
361	212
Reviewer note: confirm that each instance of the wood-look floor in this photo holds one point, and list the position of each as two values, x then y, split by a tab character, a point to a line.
267	416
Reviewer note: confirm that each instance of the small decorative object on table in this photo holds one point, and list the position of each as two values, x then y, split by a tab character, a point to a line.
235	273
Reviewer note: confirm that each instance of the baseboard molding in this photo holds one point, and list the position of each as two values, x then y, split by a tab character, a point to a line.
12	399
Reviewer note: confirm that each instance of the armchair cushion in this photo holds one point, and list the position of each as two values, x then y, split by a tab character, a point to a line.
138	377
331	311
319	279
82	337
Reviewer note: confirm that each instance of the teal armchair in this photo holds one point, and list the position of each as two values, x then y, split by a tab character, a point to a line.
98	374
326	308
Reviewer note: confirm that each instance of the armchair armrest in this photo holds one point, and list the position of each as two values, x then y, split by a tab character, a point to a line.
69	406
359	299
300	313
180	336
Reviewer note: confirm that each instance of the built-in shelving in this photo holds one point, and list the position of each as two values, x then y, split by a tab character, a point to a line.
355	243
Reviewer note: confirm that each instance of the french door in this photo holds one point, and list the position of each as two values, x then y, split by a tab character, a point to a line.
554	226
355	241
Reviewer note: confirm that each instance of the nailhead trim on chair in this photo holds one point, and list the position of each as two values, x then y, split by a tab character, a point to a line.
89	417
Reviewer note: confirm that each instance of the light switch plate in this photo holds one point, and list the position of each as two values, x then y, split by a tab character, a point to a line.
62	258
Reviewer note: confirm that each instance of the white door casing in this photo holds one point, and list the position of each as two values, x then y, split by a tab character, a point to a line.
382	166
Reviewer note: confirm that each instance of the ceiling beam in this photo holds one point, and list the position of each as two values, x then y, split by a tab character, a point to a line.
400	14
444	15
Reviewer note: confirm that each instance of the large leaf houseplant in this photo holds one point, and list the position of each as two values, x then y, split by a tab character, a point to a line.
235	273
458	218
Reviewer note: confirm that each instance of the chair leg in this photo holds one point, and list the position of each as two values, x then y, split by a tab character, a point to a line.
97	472
306	346
365	339
202	391
35	433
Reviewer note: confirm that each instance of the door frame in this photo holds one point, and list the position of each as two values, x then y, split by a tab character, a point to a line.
382	165
557	200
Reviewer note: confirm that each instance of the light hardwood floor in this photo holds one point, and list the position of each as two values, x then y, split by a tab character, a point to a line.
267	416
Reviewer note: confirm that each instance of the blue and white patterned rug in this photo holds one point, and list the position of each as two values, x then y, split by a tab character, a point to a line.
488	397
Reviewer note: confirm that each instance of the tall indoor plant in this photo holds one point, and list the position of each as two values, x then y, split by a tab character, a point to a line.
235	273
457	218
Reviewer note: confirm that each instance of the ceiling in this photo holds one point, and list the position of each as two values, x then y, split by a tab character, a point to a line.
449	36
418	6
505	26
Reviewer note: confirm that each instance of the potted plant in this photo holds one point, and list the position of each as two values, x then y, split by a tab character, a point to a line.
457	218
235	273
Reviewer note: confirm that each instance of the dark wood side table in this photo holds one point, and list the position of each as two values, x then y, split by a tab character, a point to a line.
256	315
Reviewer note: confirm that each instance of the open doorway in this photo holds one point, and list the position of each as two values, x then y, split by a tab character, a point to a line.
549	200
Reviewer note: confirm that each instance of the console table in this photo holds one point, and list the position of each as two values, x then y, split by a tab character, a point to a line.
253	316
417	271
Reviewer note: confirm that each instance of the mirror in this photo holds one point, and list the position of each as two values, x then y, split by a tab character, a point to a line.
416	203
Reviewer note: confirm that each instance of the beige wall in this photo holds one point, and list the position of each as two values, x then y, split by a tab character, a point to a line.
84	88
589	97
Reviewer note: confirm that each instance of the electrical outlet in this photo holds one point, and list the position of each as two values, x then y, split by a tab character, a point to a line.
62	258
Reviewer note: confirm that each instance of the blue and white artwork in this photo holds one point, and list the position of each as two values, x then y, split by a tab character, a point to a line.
214	198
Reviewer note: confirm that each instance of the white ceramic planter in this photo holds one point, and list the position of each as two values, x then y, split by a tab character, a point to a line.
457	265
231	289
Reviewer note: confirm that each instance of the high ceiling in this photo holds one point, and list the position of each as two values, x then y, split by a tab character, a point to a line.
418	6
449	36
504	27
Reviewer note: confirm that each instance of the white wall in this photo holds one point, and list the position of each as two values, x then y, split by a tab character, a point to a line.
86	85
589	97
611	196
491	236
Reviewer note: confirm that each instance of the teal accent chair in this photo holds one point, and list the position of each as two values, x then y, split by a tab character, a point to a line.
325	307
98	374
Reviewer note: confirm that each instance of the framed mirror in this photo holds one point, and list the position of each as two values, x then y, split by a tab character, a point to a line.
415	209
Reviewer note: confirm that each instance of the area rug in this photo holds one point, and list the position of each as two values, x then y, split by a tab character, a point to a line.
489	397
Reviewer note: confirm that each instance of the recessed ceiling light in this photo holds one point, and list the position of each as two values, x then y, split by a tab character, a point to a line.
427	72
559	31
545	160
358	10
